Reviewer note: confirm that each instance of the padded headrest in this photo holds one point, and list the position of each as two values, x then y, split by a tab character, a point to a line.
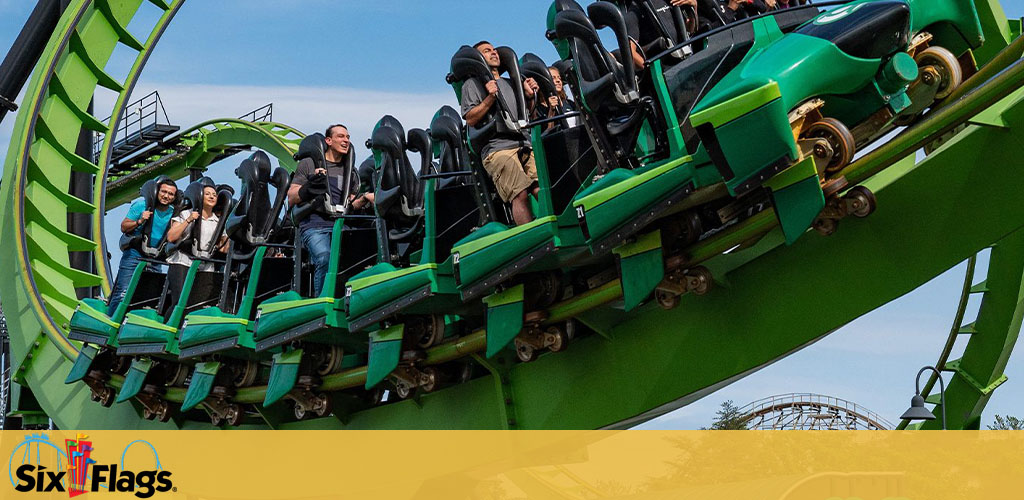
574	23
388	143
148	191
533	66
449	112
151	188
419	142
312	146
366	172
254	202
468	63
561	5
446	133
193	196
564	66
560	44
392	122
254	169
388	140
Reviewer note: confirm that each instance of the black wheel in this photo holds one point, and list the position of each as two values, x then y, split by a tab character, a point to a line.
825	226
176	375
946	65
704	280
526	353
861	201
548	287
839	137
666	300
465	373
560	340
120	365
233	416
322	405
570	328
692	226
431	379
106	397
332	361
433	332
163	413
245	373
402	390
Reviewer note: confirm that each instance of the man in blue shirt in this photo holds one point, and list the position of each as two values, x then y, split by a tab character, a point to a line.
132	224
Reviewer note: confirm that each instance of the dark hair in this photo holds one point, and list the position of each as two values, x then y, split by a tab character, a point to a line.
166	180
174	205
481	42
327	133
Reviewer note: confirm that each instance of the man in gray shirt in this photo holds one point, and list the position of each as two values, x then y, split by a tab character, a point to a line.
507	156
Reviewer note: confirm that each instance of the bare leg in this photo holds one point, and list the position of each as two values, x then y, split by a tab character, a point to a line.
521	212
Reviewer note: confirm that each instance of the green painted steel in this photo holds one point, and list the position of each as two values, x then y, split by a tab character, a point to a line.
645	362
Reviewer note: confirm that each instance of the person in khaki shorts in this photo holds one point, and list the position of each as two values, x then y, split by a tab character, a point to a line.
507	156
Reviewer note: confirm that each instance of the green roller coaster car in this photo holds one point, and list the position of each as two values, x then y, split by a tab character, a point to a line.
418	293
833	85
91	322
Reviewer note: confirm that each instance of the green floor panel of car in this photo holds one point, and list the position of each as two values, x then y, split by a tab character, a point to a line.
370	292
210	325
284	372
92	321
276	317
605	210
145	327
82	364
484	231
385	353
504	318
134	379
641	266
202	383
797	198
485	255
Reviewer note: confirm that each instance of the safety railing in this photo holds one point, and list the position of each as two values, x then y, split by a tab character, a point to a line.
263	113
139	117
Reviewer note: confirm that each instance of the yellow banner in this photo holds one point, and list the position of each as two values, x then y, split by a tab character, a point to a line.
704	465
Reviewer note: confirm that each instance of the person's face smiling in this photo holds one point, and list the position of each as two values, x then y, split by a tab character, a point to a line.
166	194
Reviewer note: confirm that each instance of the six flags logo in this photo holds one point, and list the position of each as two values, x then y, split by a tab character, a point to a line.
76	478
79	452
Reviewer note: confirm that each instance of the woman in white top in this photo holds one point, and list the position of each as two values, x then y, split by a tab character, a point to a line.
181	259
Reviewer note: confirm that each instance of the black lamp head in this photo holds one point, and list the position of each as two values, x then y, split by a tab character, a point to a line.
917	410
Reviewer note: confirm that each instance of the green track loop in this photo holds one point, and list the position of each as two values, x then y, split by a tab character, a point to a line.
646	362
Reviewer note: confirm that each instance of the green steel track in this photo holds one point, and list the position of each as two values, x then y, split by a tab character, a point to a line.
932	214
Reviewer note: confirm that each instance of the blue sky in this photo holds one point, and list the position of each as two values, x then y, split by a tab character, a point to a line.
352	61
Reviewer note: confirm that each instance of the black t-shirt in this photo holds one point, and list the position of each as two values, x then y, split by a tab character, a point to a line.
650	20
335	176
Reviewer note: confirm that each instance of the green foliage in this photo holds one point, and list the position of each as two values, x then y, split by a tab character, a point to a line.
728	418
1007	423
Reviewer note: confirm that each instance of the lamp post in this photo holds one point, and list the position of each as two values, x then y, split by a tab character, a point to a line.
917	410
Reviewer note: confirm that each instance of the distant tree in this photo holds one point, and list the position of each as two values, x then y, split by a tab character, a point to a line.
1008	423
728	418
